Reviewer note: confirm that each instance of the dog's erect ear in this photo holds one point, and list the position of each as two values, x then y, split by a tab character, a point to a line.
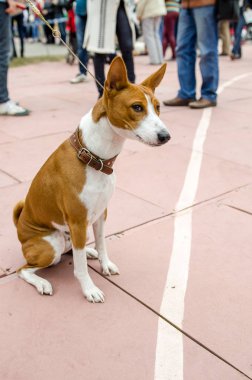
117	78
154	79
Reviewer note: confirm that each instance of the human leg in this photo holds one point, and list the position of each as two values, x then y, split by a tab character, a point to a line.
20	25
207	34
80	31
236	51
150	28
224	33
99	67
7	107
165	39
158	43
5	41
186	54
172	19
124	35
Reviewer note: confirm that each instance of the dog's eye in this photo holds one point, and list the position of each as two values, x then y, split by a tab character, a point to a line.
158	107
137	107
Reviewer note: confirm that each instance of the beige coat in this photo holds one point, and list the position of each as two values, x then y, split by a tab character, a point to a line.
100	33
150	8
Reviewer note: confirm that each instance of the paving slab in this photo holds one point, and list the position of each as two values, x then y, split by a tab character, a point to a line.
5	137
228	140
65	336
26	169
162	182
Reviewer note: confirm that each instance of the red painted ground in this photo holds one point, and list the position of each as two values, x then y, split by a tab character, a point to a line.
65	336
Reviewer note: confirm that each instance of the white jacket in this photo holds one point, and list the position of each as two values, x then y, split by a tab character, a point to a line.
150	8
100	33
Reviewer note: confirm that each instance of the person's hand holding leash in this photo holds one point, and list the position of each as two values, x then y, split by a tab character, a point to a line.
13	5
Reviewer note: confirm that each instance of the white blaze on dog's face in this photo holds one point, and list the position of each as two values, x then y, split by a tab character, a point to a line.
133	110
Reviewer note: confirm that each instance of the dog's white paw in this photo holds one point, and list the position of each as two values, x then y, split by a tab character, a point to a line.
91	253
109	268
44	287
94	295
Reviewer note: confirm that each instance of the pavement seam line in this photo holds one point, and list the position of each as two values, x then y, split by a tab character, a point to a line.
238	209
11	176
174	213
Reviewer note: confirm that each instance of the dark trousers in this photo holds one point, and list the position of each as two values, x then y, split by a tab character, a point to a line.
124	35
5	44
19	19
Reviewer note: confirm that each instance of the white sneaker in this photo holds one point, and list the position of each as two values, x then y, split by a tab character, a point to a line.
11	108
79	78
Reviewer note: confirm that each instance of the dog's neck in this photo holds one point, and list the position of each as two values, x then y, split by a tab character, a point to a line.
99	136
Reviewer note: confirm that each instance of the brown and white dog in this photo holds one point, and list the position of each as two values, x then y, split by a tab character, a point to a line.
71	191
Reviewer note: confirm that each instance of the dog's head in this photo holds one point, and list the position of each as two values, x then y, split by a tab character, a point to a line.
133	110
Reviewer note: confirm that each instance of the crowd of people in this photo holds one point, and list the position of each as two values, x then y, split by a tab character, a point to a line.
171	30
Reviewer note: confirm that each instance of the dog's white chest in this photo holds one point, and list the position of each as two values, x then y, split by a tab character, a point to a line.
96	192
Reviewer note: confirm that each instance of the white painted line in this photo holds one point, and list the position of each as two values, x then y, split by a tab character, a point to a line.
169	363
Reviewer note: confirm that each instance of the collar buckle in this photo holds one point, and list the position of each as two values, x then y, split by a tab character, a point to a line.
88	153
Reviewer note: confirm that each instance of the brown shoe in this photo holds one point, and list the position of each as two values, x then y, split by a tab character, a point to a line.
178	102
202	103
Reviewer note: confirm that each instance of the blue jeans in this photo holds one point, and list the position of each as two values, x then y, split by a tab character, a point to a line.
238	34
197	27
80	22
5	44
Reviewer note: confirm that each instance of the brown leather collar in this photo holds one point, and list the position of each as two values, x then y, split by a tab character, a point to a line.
88	157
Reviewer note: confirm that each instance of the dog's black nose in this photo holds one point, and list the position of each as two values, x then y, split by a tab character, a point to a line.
163	137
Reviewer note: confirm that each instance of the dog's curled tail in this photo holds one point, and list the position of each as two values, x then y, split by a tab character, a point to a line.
17	211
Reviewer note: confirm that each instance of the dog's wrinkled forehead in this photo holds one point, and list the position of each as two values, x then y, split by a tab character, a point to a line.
133	94
131	105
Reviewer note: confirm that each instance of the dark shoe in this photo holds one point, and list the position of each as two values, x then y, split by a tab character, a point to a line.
177	102
202	103
223	54
235	56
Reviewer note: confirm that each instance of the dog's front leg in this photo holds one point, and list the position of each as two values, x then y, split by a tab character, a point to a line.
90	291
107	266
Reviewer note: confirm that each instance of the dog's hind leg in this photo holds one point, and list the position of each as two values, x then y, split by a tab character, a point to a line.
39	254
91	253
43	286
107	266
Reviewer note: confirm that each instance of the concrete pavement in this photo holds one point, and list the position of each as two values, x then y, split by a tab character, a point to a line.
179	228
